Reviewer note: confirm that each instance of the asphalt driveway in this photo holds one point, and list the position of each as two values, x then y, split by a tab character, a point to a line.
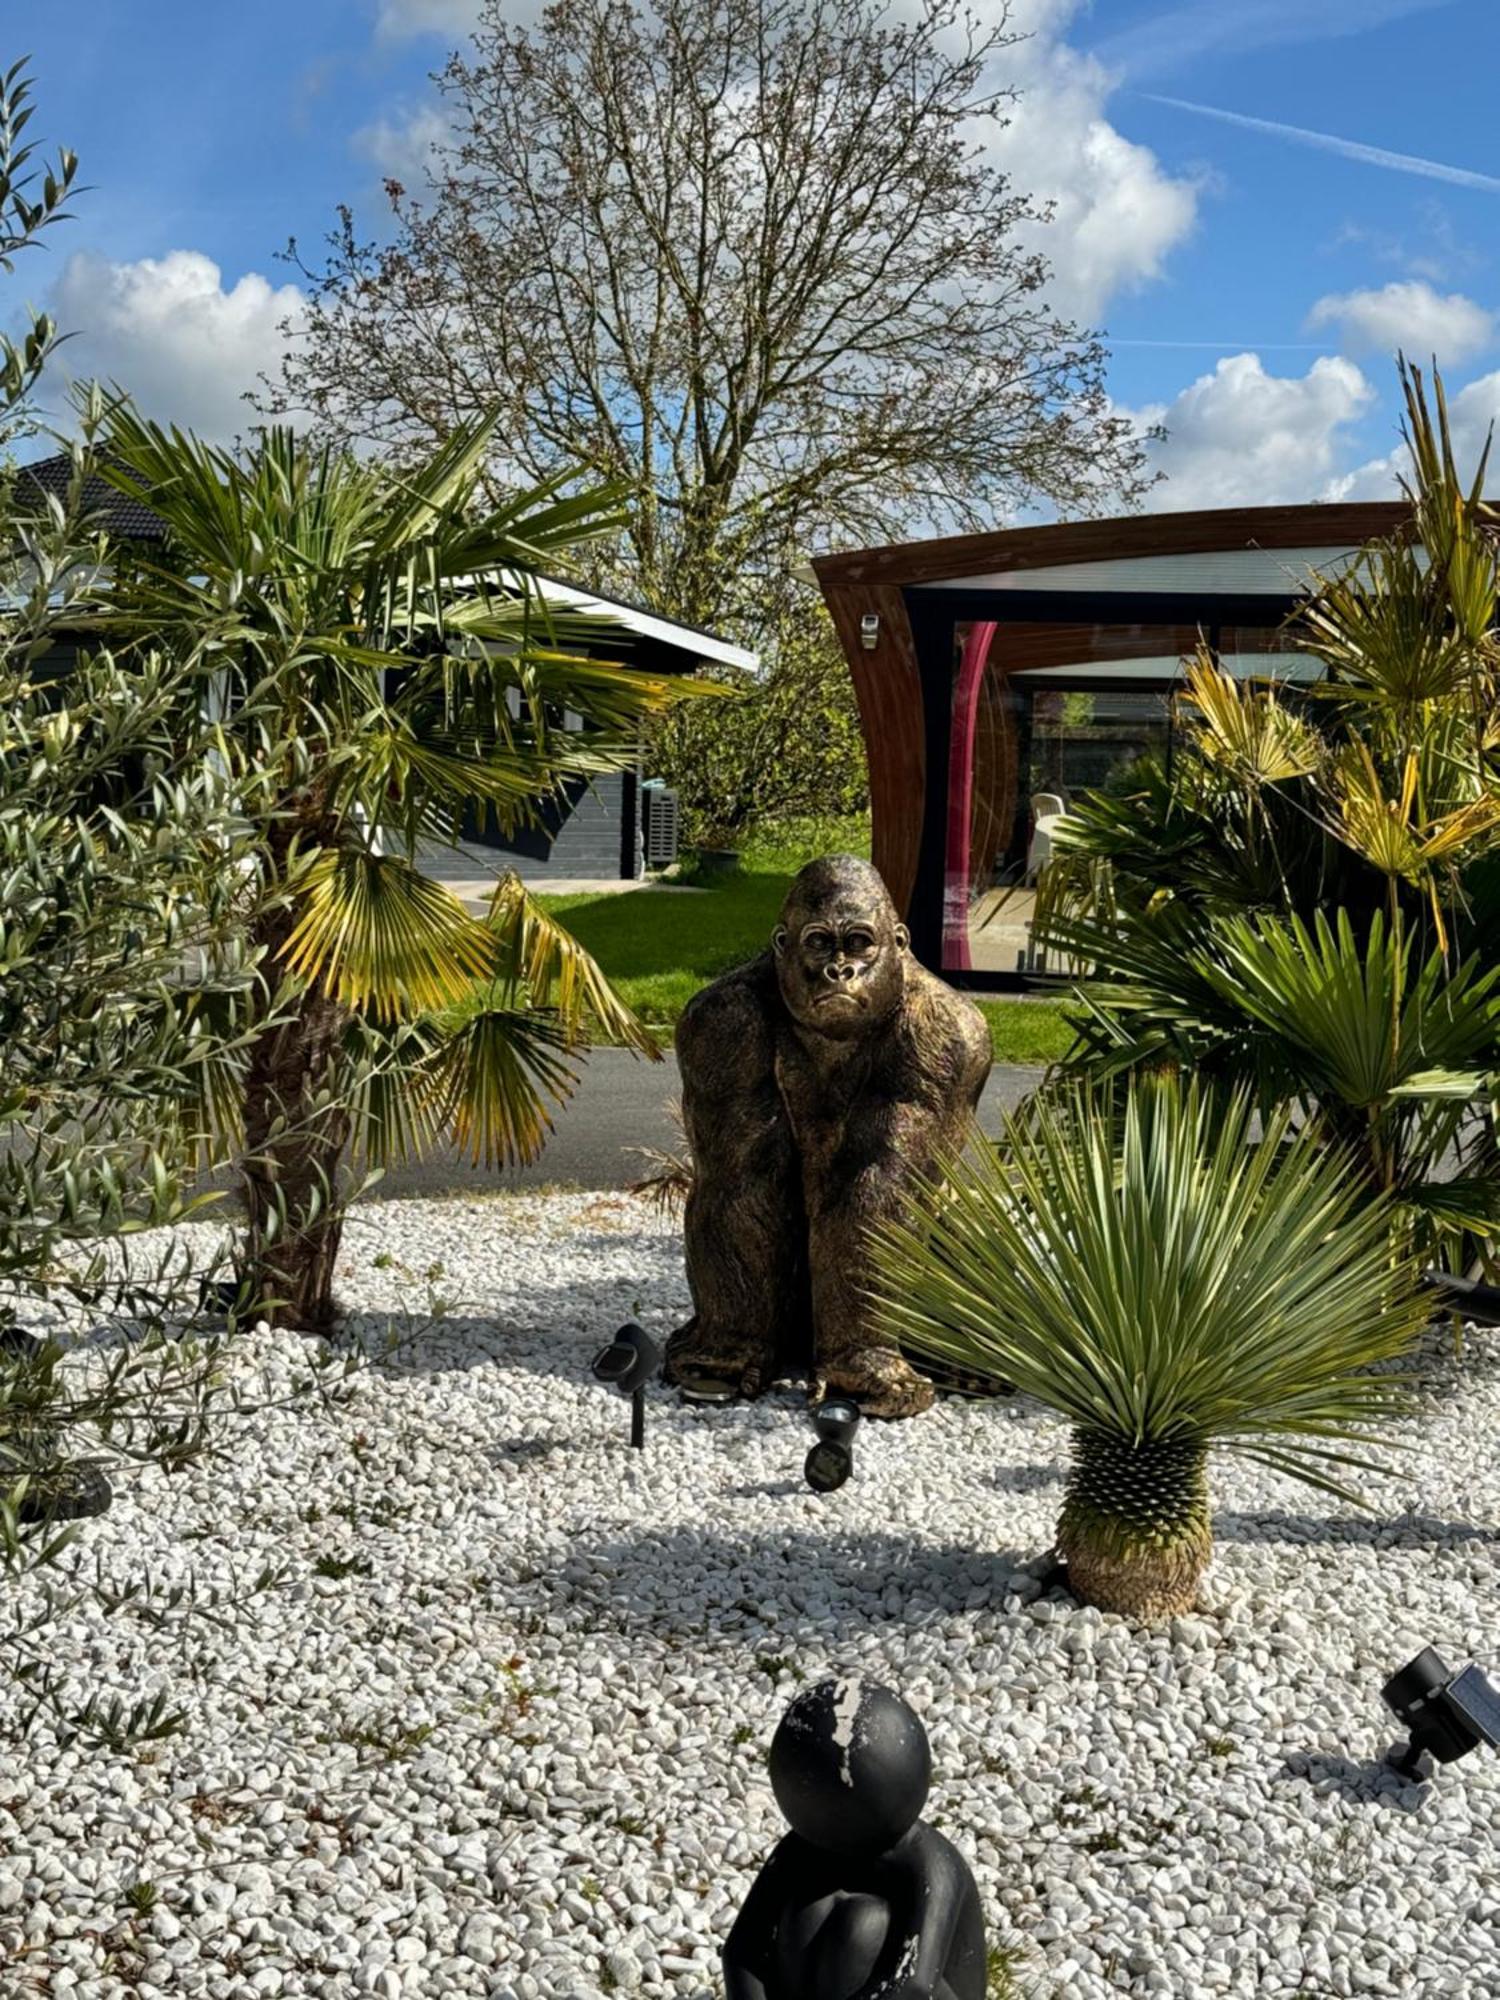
622	1102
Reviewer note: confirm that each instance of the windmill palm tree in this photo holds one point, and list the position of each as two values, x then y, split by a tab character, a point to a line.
386	663
1305	900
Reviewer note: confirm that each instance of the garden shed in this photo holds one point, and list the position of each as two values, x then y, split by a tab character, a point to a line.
594	834
998	673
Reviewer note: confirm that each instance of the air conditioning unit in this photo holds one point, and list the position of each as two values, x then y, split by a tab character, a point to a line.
661	828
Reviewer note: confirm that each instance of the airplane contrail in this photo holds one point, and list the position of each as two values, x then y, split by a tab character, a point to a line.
1349	149
1221	346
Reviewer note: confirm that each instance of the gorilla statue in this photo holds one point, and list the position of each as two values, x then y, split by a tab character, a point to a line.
819	1082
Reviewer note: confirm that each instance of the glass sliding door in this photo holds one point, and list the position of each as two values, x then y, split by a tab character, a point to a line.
1038	713
1021	746
1089	739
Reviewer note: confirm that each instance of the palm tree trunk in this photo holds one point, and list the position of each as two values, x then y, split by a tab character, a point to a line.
1135	1530
297	1126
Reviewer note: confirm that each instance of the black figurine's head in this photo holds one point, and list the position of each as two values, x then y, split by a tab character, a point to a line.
850	1766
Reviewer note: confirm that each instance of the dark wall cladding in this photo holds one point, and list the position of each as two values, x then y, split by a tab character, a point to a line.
588	846
588	842
597	840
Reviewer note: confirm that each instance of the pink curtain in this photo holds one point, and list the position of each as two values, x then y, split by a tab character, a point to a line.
961	797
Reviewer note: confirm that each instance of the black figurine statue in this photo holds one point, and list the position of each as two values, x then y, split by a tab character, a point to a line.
861	1900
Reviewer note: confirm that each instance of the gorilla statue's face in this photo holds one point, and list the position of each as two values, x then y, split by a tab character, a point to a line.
840	953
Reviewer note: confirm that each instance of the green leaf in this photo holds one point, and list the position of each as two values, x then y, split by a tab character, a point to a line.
375	933
493	1077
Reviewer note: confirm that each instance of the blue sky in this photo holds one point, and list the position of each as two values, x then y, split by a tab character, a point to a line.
1254	282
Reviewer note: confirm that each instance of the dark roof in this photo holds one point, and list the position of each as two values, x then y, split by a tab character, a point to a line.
131	520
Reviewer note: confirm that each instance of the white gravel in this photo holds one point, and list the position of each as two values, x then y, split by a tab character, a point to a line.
518	1751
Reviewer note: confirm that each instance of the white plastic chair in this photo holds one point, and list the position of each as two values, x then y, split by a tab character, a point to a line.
1047	808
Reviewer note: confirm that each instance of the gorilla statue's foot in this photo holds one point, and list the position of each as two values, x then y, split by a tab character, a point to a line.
696	1360
881	1381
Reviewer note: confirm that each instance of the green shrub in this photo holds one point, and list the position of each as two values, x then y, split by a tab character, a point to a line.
124	988
783	754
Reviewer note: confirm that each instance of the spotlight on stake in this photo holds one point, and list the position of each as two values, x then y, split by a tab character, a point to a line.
831	1460
1465	1296
627	1364
1446	1714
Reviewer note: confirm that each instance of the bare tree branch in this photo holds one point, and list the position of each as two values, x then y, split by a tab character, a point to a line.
750	256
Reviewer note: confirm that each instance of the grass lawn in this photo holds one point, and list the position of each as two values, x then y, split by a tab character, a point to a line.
659	949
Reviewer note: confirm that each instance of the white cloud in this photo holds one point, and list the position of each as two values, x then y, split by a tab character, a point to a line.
1408	315
1472	414
395	20
1116	213
167	330
401	144
398	20
1376	479
1243	438
1430	247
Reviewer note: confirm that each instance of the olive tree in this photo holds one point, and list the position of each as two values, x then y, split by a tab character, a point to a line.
126	970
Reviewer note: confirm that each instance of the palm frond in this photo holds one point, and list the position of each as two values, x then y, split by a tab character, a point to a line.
539	956
1246	728
424	499
375	933
422	783
492	1079
1452	522
393	1089
1383	632
669	1176
1364	1019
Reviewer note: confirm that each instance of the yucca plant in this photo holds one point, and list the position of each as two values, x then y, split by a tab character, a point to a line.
1169	1278
385	662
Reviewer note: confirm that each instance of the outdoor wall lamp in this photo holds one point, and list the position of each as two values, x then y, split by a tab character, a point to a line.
627	1364
1446	1714
831	1460
869	631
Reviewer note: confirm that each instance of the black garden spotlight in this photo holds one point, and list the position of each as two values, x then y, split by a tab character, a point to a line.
1446	1714
1465	1296
831	1460
627	1364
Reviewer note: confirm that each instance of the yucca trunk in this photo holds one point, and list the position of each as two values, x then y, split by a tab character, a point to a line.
297	1127
1134	1528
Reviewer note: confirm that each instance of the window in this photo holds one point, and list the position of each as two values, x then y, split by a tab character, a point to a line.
1042	712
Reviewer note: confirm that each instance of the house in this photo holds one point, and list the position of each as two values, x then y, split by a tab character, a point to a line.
997	673
590	837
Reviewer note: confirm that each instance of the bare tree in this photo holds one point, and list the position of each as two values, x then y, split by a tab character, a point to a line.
750	258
